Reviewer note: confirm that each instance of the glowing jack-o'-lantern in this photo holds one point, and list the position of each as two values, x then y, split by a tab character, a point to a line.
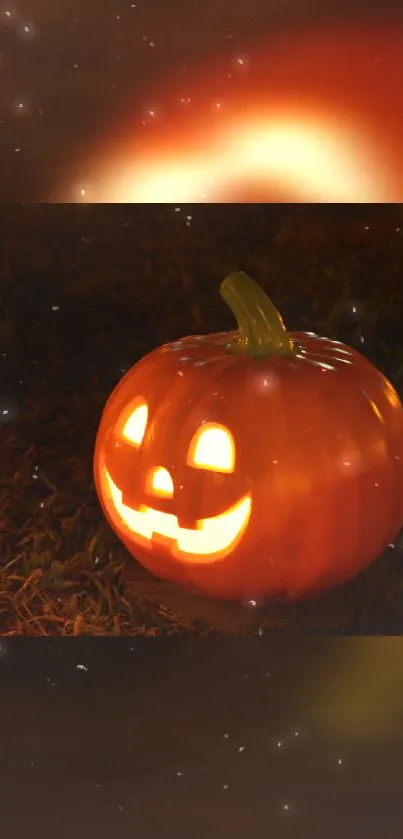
254	463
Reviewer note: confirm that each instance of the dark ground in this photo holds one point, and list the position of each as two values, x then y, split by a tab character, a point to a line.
203	738
84	292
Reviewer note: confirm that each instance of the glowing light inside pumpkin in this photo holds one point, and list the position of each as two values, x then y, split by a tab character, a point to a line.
135	426
160	483
212	538
213	448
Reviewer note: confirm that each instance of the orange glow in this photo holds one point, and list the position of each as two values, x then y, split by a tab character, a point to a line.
160	483
313	159
314	117
213	448
212	539
135	425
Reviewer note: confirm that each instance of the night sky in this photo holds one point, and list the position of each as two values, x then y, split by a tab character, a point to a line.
214	739
152	101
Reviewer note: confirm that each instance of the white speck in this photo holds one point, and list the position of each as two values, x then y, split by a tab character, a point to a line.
82	667
241	749
225	786
226	736
179	774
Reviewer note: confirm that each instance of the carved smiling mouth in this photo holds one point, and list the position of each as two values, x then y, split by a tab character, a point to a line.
212	537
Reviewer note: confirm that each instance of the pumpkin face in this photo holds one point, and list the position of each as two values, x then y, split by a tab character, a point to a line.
254	463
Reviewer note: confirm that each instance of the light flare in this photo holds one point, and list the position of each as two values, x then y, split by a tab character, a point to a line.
313	159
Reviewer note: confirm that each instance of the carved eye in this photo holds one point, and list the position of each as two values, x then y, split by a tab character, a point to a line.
212	448
134	424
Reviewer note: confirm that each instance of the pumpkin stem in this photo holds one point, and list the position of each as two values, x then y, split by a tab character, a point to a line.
261	331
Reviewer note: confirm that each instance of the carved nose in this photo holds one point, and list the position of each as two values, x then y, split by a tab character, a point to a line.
159	482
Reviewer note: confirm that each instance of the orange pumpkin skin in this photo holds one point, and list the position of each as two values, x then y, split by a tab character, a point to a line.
318	440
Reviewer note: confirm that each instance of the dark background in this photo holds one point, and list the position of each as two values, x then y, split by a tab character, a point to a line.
74	74
85	291
297	738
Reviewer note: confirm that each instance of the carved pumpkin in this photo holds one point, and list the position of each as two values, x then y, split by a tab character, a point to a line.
253	463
